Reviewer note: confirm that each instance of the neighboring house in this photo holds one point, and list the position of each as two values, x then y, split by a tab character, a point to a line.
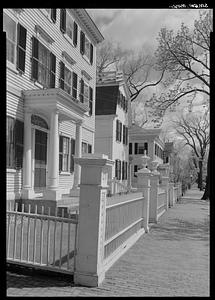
141	139
112	122
51	80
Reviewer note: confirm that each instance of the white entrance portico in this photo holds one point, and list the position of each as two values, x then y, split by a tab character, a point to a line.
54	106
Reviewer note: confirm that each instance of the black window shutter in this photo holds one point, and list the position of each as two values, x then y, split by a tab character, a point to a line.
120	170
53	14
34	70
19	141
117	130
130	148
53	69
135	148
62	66
89	148
74	85
63	20
75	34
120	132
82	42
146	146
82	90
72	156
91	101
91	54
21	47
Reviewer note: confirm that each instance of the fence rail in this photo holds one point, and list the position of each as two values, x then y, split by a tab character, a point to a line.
123	220
41	240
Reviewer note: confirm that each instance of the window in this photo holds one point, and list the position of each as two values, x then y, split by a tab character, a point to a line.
86	48
84	92
43	64
86	148
130	148
118	130
141	147
124	170
135	170
51	13
9	26
16	42
15	140
118	169
68	25
125	135
64	154
68	80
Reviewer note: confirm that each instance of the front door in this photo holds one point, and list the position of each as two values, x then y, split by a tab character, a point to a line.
40	156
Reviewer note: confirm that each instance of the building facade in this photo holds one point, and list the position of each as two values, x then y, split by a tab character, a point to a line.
141	140
51	80
112	122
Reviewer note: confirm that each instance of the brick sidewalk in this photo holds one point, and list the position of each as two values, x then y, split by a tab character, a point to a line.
172	260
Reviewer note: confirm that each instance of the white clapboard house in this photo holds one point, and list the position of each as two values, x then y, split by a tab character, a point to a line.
112	122
50	91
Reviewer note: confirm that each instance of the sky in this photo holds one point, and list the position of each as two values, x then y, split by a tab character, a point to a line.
133	28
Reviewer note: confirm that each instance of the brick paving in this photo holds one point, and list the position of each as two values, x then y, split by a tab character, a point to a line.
172	260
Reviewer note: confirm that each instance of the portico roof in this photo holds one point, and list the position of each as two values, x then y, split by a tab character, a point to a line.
44	101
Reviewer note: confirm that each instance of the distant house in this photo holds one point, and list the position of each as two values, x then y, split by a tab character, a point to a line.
51	80
141	139
112	122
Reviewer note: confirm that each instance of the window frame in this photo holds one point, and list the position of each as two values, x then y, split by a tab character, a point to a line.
10	64
63	155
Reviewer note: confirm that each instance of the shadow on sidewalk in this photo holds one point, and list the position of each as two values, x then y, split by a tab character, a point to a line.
178	229
26	278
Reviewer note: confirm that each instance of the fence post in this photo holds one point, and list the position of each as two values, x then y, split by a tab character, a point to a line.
171	193
165	186
143	184
89	269
153	205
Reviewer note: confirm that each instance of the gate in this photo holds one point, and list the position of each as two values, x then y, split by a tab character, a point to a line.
41	240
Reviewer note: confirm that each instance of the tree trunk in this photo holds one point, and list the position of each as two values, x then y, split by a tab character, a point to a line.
206	194
200	175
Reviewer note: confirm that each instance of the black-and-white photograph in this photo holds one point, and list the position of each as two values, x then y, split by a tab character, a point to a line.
108	151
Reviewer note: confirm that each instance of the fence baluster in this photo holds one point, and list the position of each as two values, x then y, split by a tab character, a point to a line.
21	238
54	236
35	233
68	246
8	232
41	236
61	234
15	230
28	231
48	236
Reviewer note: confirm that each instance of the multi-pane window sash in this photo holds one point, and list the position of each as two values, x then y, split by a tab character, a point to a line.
86	148
140	147
68	80
118	169
86	48
68	26
43	64
16	42
118	130
15	140
84	92
64	154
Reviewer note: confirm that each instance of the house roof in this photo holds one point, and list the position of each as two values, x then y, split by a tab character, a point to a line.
137	130
106	99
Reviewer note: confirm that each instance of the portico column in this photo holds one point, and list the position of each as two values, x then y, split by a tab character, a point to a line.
27	192
78	154
52	192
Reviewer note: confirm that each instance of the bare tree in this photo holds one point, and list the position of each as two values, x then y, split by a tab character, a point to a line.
194	129
137	66
185	56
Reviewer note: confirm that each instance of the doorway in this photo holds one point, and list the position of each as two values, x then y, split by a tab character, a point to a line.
40	159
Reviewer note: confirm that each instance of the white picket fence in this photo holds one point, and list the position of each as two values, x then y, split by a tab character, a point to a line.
42	241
